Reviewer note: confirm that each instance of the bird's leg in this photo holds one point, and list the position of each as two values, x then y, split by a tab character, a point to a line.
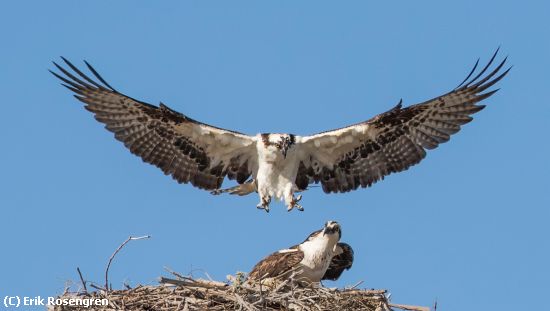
264	203
294	203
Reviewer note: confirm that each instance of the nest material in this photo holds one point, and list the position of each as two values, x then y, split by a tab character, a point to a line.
198	294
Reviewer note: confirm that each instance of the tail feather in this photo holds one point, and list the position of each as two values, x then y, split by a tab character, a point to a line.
242	189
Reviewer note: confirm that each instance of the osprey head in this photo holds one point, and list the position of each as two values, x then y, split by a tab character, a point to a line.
283	142
332	227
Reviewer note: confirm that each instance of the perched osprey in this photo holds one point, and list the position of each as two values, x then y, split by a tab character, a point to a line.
319	257
278	165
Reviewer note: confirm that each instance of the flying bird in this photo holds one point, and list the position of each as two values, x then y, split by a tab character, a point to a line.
278	165
320	257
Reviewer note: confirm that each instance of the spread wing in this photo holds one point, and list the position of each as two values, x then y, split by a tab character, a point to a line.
186	149
277	264
340	262
361	154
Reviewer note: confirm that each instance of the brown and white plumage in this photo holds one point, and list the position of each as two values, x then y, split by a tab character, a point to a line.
188	150
360	155
319	257
277	264
279	165
342	260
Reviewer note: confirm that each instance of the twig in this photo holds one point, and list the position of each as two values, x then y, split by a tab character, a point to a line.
201	270
356	284
281	285
116	252
243	303
82	280
67	287
193	283
97	287
208	276
174	272
407	307
164	280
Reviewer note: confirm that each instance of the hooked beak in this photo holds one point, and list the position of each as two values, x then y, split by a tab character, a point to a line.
284	150
331	227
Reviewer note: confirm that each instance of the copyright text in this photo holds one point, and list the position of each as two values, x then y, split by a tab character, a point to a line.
17	301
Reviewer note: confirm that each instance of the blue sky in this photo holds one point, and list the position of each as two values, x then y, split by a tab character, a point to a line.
468	226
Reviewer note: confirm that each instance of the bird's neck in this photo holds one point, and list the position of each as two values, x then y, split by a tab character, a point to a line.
321	244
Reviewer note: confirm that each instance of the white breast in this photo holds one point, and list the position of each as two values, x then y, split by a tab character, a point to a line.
317	256
276	174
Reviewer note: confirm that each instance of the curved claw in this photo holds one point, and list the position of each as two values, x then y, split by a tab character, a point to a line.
264	204
265	208
294	204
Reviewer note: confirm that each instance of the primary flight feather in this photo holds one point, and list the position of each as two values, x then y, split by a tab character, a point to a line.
279	165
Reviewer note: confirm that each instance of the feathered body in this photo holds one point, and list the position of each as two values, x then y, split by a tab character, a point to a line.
279	165
276	171
319	257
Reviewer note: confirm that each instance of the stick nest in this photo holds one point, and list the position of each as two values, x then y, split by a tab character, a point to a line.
197	294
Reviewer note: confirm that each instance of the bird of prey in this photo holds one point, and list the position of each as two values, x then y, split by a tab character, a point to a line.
278	165
320	257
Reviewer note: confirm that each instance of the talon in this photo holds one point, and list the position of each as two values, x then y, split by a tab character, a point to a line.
264	204
264	207
294	204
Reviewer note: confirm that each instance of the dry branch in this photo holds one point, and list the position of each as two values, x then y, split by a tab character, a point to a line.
410	308
131	238
82	280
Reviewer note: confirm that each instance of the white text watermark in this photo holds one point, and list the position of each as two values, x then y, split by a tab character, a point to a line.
20	301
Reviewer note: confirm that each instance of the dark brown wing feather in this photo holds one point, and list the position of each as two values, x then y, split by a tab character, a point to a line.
362	154
276	264
161	136
339	263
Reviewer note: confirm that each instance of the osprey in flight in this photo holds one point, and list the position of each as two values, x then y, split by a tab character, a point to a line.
319	257
279	165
